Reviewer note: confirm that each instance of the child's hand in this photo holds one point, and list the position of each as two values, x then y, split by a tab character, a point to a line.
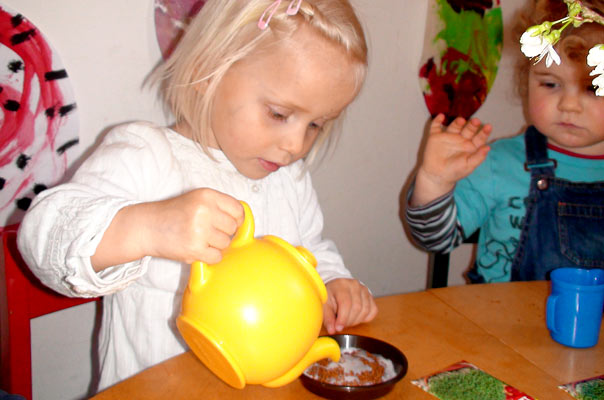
196	226
451	153
349	303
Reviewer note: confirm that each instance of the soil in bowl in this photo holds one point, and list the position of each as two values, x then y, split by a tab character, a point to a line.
368	369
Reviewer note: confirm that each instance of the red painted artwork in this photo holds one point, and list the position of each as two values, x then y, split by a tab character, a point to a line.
462	49
452	92
171	17
38	131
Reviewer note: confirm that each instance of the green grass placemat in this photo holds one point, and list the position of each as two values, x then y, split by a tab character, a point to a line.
465	381
587	389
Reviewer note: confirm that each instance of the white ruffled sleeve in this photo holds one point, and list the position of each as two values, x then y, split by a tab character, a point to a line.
64	225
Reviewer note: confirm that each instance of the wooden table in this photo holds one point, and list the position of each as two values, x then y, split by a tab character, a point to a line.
498	327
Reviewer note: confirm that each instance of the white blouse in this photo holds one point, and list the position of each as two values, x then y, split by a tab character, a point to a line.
141	162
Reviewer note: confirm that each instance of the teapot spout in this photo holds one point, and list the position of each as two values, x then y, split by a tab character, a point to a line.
324	347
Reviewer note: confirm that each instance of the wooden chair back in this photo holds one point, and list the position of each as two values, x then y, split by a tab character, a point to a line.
438	265
22	298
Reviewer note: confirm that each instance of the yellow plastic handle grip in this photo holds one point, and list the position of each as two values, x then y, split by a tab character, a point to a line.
245	233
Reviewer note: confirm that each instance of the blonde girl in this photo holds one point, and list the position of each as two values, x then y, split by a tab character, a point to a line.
255	87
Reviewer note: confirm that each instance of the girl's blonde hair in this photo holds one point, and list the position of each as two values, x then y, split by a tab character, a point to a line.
226	31
574	43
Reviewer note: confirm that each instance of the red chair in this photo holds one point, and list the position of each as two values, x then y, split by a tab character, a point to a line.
25	298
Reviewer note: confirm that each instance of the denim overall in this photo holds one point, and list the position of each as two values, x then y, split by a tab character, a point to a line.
564	221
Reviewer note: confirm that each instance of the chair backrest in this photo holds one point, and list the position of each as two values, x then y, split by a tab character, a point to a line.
24	298
438	265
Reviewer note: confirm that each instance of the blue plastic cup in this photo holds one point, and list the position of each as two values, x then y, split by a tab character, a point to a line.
575	306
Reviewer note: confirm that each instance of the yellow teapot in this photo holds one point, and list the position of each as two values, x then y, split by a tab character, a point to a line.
255	316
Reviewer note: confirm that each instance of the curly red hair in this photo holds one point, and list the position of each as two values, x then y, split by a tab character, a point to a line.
574	43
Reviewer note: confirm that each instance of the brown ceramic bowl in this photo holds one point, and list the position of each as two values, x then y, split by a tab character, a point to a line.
371	345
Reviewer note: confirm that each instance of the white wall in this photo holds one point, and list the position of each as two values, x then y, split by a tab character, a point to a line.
108	47
359	186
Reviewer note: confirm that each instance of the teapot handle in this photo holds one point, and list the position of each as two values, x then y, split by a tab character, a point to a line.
245	232
323	347
200	272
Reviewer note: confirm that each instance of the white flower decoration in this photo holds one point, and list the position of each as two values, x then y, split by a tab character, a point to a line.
595	58
531	42
598	82
552	56
535	44
539	40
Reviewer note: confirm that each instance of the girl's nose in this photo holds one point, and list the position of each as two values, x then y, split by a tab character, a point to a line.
293	140
570	102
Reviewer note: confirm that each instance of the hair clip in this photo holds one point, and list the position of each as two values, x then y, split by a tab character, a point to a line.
292	9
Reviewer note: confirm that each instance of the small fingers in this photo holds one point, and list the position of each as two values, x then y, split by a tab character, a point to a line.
219	239
436	126
471	128
370	307
226	223
480	139
457	125
233	208
478	156
344	307
329	315
209	255
354	303
365	309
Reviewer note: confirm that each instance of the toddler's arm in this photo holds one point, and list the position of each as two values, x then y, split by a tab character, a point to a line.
451	154
435	226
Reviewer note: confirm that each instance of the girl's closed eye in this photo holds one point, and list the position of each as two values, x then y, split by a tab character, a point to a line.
276	115
315	126
548	84
279	114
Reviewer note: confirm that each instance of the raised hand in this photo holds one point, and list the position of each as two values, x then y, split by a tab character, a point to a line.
451	153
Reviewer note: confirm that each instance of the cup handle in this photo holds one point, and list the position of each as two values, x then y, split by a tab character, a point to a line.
550	312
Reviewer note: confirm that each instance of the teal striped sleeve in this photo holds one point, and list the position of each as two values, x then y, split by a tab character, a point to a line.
434	226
